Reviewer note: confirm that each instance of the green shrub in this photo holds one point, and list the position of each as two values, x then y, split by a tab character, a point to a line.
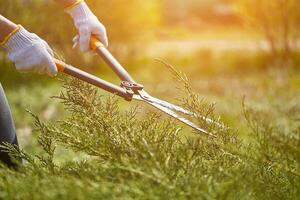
130	155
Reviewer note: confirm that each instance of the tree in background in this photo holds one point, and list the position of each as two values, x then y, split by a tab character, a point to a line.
278	21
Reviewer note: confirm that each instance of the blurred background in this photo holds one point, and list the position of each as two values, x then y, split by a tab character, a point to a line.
229	49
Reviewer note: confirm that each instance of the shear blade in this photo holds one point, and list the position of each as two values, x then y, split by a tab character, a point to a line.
168	110
178	108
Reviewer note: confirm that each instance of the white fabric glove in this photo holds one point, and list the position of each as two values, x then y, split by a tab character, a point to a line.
87	24
30	53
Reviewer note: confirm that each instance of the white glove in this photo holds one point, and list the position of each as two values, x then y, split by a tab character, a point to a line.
87	24
30	53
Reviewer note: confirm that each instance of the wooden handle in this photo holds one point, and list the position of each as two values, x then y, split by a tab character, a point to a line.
60	65
89	78
101	50
95	43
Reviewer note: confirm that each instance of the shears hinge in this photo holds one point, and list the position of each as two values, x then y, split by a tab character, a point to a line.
134	87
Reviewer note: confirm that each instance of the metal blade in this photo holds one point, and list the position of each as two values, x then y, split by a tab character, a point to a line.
172	114
169	105
176	108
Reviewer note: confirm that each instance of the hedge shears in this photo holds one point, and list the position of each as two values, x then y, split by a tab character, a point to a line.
129	89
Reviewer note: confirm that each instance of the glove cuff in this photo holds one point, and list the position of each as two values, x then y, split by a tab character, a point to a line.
80	12
6	38
18	40
73	5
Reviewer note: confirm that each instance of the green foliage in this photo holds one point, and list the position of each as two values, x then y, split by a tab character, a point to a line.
133	155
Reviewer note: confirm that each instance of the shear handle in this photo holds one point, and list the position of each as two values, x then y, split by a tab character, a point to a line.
100	49
89	78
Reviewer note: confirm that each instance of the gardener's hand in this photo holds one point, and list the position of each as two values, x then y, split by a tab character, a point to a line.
87	24
30	53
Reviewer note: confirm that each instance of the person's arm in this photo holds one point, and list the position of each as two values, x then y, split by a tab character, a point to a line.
29	52
6	27
86	23
66	3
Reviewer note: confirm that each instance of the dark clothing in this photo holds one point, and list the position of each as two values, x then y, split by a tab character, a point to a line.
7	128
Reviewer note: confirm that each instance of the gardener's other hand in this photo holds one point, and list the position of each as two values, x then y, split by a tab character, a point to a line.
30	53
87	24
